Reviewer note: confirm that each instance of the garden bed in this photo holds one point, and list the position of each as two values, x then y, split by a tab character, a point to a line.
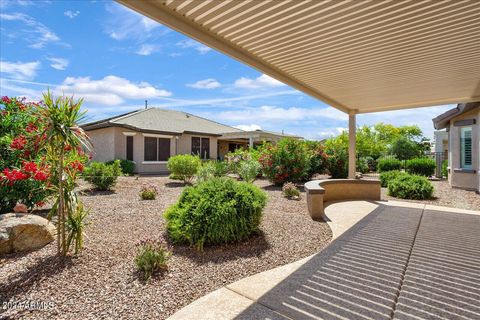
103	283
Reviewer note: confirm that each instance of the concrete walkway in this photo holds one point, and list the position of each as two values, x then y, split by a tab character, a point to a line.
388	260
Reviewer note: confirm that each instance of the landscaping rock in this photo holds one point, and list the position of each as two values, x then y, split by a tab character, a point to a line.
20	232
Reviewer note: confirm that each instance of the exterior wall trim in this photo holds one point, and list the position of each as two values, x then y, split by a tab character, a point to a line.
154	135
465	122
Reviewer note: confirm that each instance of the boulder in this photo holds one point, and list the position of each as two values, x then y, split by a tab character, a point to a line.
21	232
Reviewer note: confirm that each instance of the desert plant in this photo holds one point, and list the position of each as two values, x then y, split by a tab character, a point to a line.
184	166
148	192
445	168
387	176
389	164
421	166
217	211
409	186
127	166
102	175
206	171
152	257
75	225
290	191
249	170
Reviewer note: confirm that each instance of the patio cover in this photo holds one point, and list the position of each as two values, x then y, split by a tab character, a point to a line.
357	56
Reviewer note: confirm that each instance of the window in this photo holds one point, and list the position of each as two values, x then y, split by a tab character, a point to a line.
201	147
130	148
466	148
156	149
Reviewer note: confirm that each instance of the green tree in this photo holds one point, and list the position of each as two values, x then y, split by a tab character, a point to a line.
404	149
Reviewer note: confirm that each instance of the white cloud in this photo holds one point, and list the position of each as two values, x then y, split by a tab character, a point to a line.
111	90
190	43
147	49
330	132
205	84
71	14
19	70
124	23
249	127
37	33
263	81
59	63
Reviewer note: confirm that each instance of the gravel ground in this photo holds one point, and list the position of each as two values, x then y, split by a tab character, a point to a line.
446	196
102	282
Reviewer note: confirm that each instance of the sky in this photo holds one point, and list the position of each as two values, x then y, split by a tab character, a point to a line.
115	59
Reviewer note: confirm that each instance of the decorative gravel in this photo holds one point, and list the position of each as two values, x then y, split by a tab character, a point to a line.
103	283
446	196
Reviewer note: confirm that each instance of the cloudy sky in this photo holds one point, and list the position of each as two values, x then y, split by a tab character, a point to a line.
116	59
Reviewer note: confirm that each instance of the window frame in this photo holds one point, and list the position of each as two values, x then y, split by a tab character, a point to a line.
201	141
157	149
463	149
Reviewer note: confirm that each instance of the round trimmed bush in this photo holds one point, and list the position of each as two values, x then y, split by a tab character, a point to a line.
409	186
421	166
389	164
216	211
184	166
103	176
387	176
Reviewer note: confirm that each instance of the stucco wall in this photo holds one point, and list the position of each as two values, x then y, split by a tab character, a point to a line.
103	141
465	180
185	144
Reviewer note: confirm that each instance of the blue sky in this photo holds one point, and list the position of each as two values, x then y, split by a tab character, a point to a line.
115	59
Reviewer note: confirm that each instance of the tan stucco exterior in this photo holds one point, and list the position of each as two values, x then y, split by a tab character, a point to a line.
465	179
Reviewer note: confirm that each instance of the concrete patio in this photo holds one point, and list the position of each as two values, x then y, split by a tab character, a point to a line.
388	260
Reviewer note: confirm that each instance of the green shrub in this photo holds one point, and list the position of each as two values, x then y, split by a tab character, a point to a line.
101	175
126	166
221	168
421	166
288	160
337	163
372	163
389	164
387	176
362	165
404	148
290	191
75	225
148	192
206	171
249	170
217	211
318	158
445	168
151	257
184	166
409	186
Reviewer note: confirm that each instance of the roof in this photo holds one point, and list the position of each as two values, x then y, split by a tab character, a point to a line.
357	56
257	134
443	120
163	121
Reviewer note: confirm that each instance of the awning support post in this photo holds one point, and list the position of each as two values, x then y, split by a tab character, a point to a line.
352	157
250	142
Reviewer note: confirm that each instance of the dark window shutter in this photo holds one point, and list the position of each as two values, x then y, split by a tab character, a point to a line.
130	148
163	149
205	154
150	153
195	145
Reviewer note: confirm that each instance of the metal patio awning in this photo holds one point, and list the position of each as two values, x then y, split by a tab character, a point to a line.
357	56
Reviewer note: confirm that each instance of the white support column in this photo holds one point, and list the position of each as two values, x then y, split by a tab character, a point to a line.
250	142
352	157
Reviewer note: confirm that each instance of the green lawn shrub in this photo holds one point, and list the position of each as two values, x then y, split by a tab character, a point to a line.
387	176
206	171
249	170
126	166
184	166
217	211
389	164
362	165
445	168
409	186
421	166
103	176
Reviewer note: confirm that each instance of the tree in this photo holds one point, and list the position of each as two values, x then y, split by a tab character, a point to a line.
404	149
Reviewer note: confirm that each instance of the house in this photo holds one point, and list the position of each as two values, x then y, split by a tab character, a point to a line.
150	136
462	125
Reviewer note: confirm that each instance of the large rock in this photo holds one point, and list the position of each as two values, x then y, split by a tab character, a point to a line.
21	232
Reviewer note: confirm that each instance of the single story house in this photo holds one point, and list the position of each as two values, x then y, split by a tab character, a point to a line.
462	125
150	136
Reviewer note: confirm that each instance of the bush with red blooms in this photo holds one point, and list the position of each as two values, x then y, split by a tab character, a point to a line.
24	173
287	161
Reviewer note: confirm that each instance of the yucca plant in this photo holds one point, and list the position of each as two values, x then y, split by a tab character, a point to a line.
61	134
75	225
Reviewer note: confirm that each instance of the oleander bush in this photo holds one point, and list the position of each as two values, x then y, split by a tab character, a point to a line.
387	176
148	192
184	166
409	186
318	158
421	166
127	166
290	191
152	257
337	163
103	176
249	170
389	164
216	211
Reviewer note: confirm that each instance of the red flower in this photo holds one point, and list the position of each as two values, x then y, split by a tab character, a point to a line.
40	176
76	165
18	143
6	99
40	203
67	147
13	175
30	167
31	128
